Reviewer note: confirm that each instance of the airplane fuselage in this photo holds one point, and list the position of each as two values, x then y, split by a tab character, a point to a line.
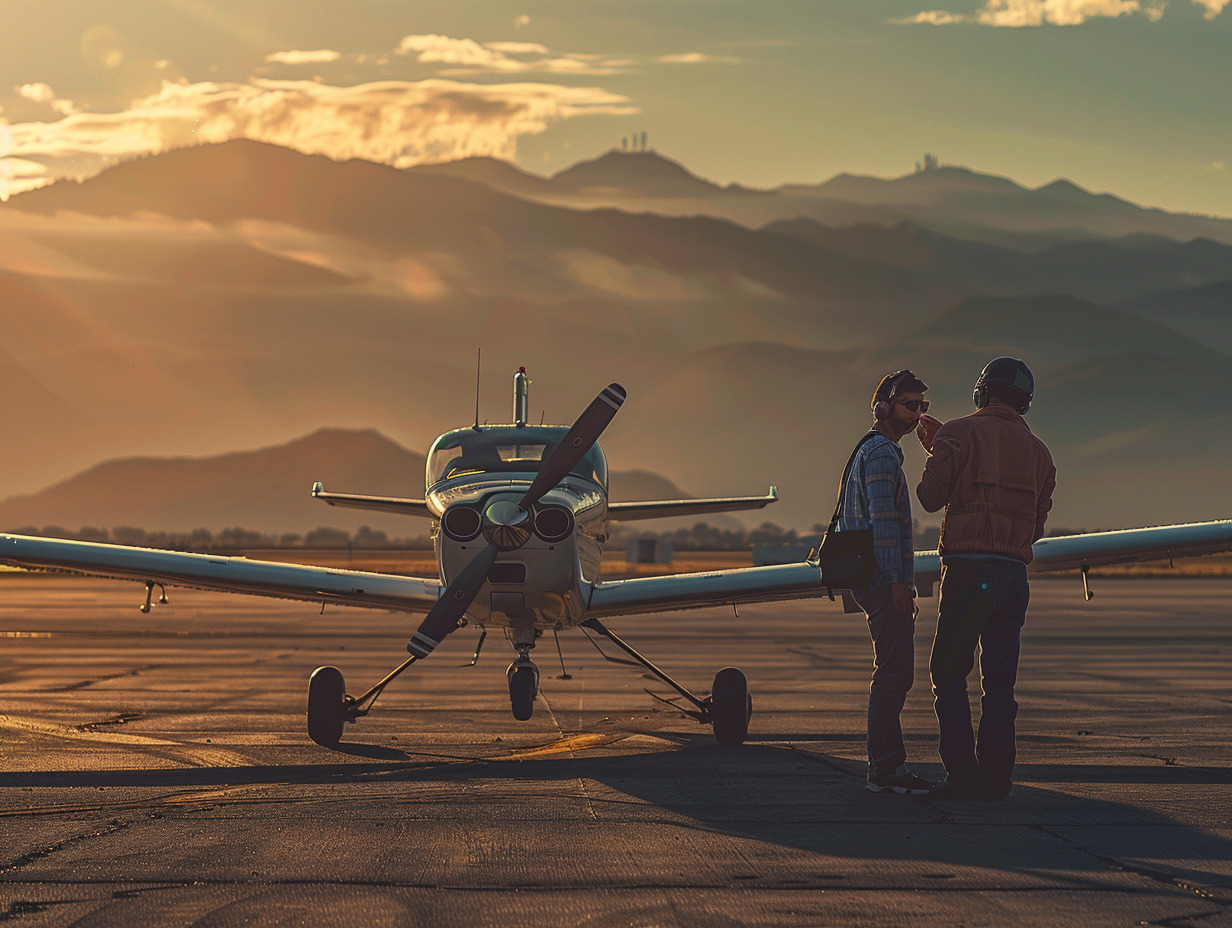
542	578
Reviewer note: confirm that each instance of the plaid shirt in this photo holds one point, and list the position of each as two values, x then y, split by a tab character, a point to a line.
876	495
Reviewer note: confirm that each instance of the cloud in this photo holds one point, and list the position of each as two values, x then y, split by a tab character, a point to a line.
392	122
1020	13
468	57
39	92
517	48
932	18
320	56
1213	7
446	50
686	58
42	93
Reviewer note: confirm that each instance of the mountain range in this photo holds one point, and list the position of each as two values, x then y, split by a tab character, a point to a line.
244	296
265	490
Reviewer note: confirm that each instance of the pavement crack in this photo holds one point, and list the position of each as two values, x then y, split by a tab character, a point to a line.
122	719
23	907
1222	902
590	803
30	857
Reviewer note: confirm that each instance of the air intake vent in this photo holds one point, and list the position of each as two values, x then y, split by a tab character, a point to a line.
461	523
507	572
553	523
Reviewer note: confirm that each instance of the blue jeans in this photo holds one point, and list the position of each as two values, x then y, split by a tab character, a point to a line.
984	604
893	635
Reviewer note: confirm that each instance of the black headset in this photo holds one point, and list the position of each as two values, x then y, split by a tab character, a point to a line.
883	407
1012	373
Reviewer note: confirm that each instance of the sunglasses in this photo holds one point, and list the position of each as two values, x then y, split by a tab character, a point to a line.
913	405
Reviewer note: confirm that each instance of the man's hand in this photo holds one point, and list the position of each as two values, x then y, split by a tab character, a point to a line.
926	430
904	602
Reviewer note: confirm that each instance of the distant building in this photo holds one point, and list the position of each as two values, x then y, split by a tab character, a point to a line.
648	550
931	163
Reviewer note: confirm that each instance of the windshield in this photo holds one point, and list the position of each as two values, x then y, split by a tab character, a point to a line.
505	449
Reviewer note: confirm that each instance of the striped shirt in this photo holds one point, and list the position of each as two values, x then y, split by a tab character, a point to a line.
876	495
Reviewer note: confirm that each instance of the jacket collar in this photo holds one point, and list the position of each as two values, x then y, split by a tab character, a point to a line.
1002	411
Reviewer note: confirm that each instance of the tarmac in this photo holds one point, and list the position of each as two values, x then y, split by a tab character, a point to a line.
155	770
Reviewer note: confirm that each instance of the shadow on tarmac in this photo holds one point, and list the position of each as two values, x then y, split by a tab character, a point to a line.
794	797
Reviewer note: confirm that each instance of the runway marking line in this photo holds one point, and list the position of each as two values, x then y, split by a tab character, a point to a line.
189	754
567	744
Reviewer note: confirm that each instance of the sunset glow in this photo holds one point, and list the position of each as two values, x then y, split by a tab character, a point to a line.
758	97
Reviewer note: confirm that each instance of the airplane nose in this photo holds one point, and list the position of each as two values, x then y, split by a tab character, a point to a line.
506	524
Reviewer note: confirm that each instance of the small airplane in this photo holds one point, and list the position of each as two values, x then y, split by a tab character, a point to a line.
519	519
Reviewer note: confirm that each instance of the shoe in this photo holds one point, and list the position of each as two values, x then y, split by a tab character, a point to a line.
964	792
901	781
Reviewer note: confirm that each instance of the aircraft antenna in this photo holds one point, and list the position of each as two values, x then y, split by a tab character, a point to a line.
478	359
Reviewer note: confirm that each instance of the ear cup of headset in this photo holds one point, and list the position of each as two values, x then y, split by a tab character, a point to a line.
883	407
1009	371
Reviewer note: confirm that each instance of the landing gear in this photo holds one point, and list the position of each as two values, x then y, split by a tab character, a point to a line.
523	685
728	707
731	706
330	706
326	706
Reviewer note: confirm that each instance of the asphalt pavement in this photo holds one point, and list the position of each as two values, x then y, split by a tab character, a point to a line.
155	770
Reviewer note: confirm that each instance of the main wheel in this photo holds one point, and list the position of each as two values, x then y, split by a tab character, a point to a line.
326	692
731	706
523	688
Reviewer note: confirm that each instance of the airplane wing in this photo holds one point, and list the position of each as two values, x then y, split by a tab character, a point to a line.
804	580
713	588
658	509
228	574
410	507
1077	552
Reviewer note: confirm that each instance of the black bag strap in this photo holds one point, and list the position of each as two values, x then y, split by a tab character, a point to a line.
842	485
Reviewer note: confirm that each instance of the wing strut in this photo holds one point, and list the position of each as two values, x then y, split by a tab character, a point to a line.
702	714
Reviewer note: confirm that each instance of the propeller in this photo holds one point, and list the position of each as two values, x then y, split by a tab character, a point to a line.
507	524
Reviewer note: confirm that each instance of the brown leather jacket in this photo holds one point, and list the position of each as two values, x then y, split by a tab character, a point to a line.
995	478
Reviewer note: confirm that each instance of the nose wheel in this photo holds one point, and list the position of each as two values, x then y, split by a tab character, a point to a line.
523	687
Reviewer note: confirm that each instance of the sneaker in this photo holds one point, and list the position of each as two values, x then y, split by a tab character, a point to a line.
901	781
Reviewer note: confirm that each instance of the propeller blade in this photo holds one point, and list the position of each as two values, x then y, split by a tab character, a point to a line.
576	443
443	617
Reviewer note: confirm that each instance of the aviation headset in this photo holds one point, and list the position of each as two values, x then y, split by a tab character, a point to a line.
1012	373
884	405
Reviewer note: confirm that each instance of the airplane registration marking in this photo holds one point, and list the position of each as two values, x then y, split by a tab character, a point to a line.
189	754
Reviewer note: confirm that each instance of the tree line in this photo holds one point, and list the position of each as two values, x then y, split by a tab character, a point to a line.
203	540
700	537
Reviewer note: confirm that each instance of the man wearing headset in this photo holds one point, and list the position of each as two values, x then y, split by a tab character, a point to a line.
875	495
995	479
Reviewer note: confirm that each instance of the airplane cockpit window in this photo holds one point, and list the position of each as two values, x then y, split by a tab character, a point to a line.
509	449
510	454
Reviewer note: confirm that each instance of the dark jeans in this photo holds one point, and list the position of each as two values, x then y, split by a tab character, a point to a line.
893	635
984	603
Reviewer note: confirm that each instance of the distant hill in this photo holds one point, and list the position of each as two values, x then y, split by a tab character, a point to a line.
265	490
954	200
241	295
1202	312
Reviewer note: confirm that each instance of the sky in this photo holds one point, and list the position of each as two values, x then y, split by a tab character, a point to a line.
1131	97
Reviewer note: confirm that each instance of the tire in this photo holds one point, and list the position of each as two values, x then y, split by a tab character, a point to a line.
522	692
730	706
326	689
